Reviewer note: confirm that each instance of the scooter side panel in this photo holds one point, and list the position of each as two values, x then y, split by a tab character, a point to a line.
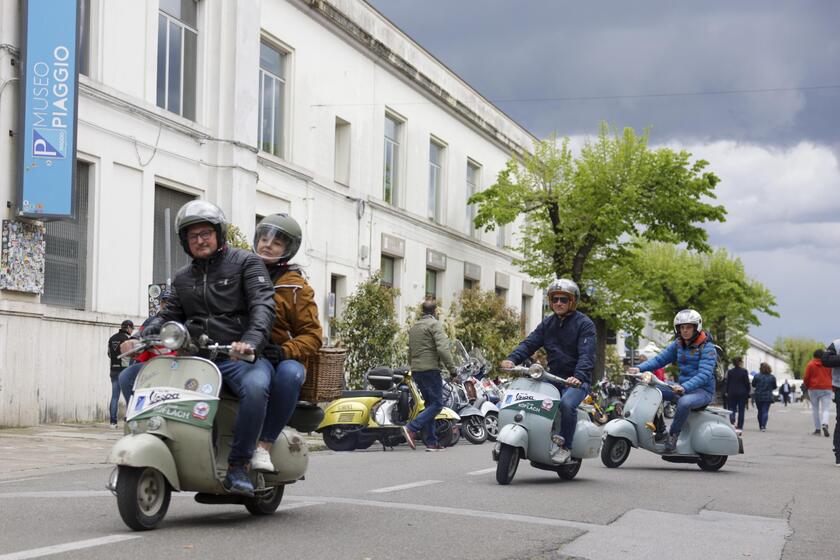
354	411
587	441
290	456
710	436
145	450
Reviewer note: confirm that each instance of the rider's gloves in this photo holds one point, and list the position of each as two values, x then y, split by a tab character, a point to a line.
273	353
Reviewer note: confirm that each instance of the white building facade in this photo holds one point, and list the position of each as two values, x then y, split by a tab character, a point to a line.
322	109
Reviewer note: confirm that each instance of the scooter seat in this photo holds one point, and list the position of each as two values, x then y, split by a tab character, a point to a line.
699	408
387	395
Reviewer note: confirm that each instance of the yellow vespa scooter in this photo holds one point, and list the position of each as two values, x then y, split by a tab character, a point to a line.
359	418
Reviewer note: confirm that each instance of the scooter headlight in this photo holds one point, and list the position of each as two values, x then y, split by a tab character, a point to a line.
535	371
173	335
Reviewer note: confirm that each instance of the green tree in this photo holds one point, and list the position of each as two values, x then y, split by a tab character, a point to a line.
798	352
714	284
235	238
482	320
582	216
368	329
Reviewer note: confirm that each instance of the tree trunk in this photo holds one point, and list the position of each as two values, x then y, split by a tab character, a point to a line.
600	348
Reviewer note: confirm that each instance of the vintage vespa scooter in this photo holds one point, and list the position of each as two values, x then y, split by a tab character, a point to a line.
529	406
707	438
179	426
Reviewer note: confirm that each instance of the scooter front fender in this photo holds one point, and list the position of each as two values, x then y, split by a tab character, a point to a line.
515	435
447	413
622	428
470	411
145	450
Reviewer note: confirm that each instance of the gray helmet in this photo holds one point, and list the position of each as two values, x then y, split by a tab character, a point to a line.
565	286
280	226
687	317
197	212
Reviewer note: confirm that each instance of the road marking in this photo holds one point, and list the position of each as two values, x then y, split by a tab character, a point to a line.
405	486
482	471
57	494
66	547
20	479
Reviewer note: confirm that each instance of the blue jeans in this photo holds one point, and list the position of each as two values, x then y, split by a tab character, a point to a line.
737	404
685	404
283	395
250	382
763	413
115	398
572	397
431	387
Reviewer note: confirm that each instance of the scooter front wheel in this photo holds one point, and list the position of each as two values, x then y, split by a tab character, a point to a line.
142	497
614	451
265	504
508	462
474	430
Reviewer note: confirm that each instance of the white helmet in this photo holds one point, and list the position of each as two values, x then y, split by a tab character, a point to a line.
687	317
565	286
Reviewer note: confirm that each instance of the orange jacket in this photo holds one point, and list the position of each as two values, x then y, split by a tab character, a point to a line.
296	326
817	376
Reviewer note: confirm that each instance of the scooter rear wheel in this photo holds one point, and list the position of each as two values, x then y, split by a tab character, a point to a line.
711	463
143	495
341	438
508	462
265	504
614	451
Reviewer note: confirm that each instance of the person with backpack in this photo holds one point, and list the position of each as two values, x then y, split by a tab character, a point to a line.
117	365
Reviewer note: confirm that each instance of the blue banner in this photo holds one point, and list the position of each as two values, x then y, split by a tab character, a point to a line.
48	110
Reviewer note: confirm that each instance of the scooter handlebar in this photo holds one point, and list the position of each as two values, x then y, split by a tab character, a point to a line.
544	375
228	349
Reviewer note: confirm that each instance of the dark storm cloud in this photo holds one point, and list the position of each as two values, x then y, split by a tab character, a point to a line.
518	50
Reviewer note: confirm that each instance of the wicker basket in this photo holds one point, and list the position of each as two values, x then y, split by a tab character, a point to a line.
324	375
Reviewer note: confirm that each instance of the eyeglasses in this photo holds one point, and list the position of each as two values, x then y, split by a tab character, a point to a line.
560	299
204	235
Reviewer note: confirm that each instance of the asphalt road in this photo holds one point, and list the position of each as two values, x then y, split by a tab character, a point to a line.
778	500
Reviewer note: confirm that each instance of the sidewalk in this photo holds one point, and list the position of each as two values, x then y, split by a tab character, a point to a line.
50	448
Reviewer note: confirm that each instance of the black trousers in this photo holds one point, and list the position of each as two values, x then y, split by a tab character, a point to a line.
837	423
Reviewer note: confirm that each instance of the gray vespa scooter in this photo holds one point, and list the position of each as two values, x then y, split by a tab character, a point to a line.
529	406
707	437
179	426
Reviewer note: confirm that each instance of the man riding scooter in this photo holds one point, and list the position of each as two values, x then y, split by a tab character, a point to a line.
568	337
227	294
695	355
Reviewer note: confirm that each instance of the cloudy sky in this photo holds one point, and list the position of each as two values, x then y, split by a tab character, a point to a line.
751	86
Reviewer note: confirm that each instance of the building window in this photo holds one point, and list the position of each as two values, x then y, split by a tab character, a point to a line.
342	152
501	237
335	299
525	315
84	37
431	283
387	271
167	203
470	284
272	99
501	293
177	57
472	188
435	180
65	266
390	180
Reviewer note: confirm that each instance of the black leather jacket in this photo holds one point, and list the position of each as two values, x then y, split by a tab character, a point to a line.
230	295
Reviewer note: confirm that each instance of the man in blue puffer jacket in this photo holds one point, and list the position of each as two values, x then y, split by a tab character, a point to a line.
695	355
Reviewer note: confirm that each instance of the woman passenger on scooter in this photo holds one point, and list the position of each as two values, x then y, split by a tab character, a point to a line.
296	334
696	358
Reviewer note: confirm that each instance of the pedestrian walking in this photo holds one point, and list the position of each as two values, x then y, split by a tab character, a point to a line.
784	392
832	359
817	380
737	390
427	348
763	383
117	365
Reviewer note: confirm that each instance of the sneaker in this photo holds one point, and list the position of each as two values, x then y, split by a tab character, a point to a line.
237	481
435	447
825	430
670	443
261	460
815	432
409	435
558	440
738	431
114	426
763	429
560	455
837	461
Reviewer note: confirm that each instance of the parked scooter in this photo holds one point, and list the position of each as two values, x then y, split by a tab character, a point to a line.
707	438
179	426
360	418
530	405
487	394
459	395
